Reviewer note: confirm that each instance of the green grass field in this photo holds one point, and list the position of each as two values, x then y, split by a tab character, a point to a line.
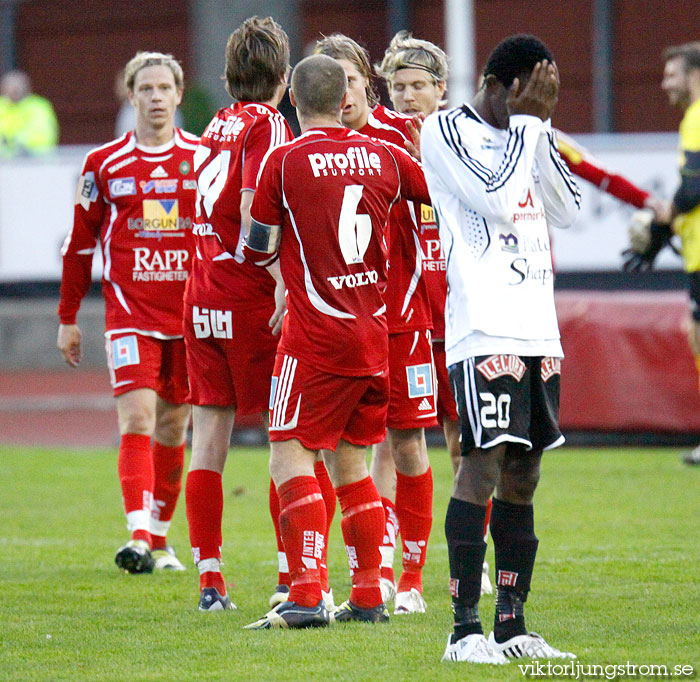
617	578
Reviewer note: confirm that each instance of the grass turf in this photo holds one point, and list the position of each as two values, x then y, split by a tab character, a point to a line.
617	578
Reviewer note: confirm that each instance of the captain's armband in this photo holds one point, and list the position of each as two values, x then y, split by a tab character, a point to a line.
262	243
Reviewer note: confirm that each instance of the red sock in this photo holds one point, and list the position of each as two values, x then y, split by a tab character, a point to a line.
363	528
283	569
487	521
167	466
328	492
302	524
204	502
388	546
414	507
135	467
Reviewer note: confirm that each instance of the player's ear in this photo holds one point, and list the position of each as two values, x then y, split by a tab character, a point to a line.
344	100
292	98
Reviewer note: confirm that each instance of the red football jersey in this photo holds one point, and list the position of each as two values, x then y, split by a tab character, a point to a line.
434	269
331	190
139	203
408	306
226	162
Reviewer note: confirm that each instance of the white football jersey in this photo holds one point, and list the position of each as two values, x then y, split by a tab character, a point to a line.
494	193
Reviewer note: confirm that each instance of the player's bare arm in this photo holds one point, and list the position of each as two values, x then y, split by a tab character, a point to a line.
70	343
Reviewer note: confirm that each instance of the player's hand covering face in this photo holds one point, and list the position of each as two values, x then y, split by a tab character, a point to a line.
538	95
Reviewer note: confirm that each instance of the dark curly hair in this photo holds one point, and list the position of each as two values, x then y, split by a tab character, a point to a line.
516	56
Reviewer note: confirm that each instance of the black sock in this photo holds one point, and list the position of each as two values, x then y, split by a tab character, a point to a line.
464	530
515	546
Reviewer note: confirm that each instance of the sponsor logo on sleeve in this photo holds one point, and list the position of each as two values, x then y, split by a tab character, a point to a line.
86	192
122	187
420	380
550	367
501	365
125	351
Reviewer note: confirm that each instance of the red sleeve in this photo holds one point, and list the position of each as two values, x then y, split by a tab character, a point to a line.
266	133
413	186
587	168
79	247
267	207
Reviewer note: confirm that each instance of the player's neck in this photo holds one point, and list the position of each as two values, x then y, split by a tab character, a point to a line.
480	104
308	122
147	136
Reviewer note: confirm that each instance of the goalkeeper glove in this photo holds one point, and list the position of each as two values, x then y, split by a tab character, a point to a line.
647	239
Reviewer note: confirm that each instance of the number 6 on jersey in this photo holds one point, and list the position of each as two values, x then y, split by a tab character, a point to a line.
354	231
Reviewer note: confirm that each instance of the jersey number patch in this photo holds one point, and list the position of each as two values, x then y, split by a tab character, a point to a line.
354	231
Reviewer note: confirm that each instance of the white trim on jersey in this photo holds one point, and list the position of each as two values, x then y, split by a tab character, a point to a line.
311	293
183	143
106	242
376	123
122	151
415	277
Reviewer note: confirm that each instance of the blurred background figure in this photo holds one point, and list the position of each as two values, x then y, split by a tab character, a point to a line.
28	124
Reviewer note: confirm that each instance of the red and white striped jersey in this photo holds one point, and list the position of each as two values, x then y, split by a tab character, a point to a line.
331	191
139	203
408	306
227	162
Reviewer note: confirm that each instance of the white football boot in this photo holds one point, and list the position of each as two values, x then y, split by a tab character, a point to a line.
472	649
531	645
409	602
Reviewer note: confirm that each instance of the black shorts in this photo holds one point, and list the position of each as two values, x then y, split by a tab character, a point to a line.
507	398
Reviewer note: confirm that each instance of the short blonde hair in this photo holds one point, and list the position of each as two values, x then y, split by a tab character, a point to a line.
407	52
339	46
144	59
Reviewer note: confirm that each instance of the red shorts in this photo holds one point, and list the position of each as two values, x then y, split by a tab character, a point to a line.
230	356
139	361
446	406
412	381
319	409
